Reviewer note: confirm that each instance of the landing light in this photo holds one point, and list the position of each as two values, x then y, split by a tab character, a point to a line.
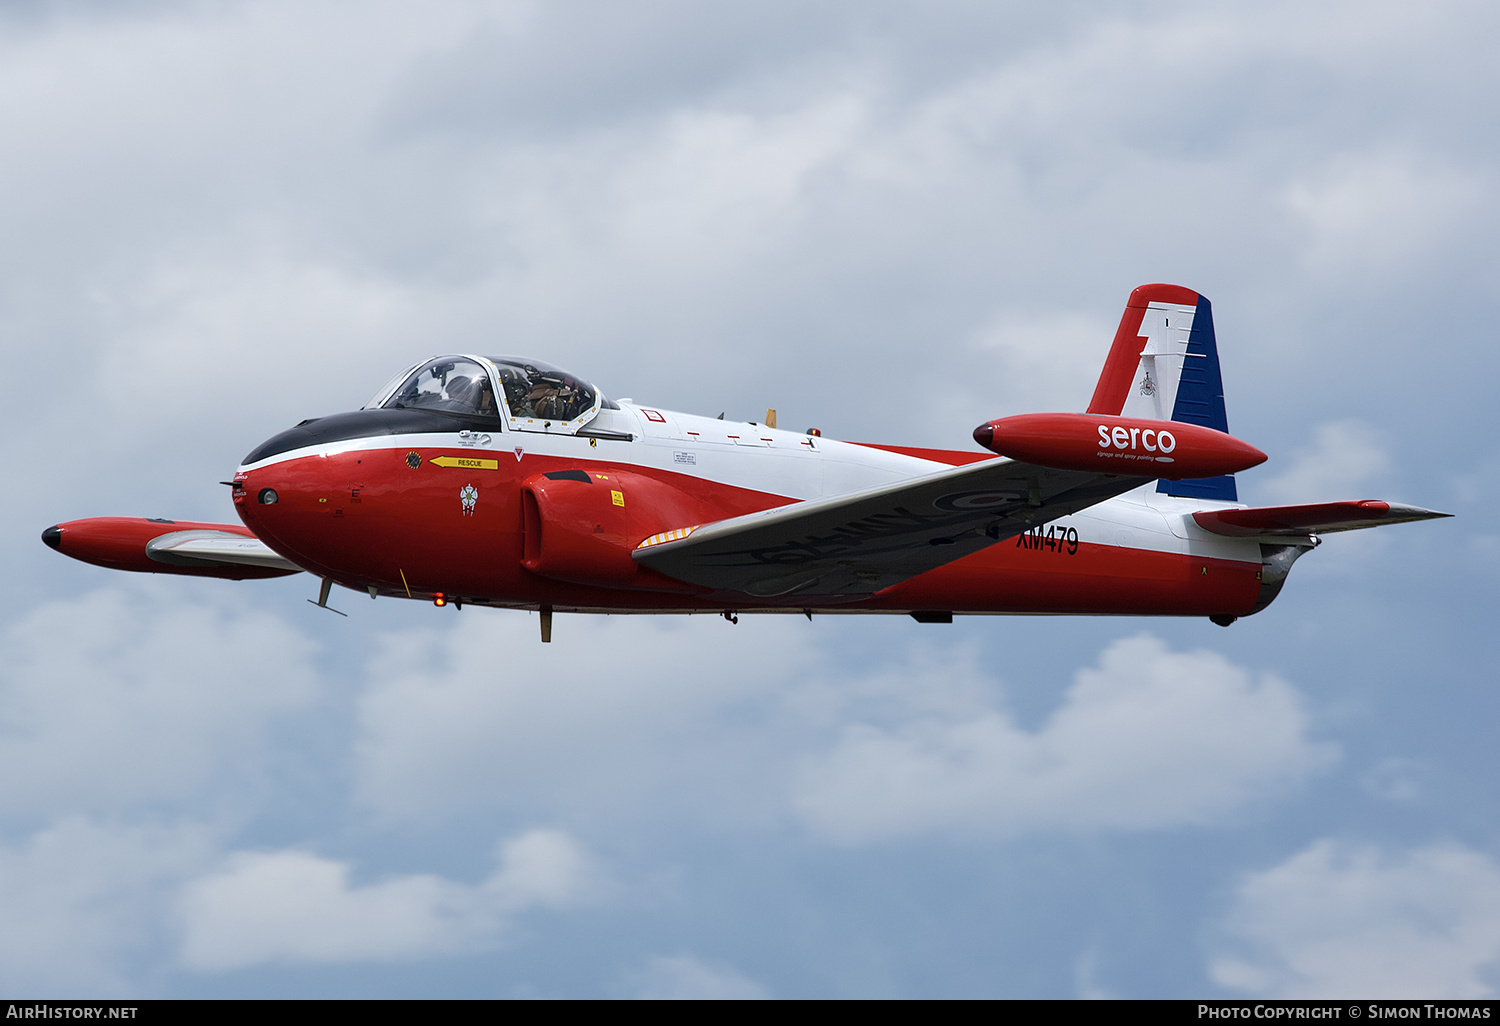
440	599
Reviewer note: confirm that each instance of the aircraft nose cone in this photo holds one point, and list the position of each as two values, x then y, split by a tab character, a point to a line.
53	537
984	434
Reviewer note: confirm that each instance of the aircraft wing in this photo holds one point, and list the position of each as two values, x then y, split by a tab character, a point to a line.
854	545
168	547
1311	518
215	548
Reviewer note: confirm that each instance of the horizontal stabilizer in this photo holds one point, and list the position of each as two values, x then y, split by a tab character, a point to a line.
1312	518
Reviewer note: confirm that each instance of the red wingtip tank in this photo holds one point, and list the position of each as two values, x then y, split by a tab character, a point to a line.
1118	445
124	543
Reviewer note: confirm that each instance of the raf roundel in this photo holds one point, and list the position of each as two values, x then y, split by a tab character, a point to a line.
965	501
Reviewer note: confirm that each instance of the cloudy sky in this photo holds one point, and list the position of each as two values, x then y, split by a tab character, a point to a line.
891	221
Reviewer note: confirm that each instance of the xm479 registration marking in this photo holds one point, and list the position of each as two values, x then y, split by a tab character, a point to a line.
1055	538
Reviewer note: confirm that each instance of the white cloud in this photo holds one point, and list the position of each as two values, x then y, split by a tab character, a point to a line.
215	323
279	226
743	719
82	904
685	978
294	906
1150	738
481	714
540	867
1344	456
1338	920
1381	212
1036	363
130	695
89	906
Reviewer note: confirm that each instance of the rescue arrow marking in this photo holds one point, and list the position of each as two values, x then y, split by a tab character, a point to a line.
468	462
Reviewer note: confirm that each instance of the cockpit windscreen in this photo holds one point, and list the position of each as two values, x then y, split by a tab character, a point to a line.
449	384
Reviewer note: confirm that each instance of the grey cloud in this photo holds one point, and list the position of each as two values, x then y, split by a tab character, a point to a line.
1150	738
1341	918
294	906
125	698
83	903
1345	459
480	716
670	251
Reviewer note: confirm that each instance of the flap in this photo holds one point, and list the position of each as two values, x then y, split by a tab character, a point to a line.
854	545
1312	518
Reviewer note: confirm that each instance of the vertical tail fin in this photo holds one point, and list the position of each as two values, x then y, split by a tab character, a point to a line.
1164	365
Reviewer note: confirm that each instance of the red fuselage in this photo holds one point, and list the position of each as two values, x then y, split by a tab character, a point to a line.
531	520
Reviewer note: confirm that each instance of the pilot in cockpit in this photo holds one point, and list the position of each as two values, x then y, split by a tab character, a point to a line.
556	397
517	394
447	385
543	398
538	391
471	392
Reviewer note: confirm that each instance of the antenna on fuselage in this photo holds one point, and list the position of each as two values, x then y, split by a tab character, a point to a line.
322	602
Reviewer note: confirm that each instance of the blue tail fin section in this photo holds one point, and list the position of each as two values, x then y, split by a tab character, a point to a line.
1200	400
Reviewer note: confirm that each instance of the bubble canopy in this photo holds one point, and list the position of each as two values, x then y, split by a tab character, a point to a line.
528	394
449	384
543	397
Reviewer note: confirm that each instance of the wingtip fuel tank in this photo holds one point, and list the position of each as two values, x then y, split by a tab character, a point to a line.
1130	446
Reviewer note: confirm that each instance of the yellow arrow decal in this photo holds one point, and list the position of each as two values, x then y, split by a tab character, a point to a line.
467	462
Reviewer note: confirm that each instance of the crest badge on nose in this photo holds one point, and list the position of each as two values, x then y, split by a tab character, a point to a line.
469	495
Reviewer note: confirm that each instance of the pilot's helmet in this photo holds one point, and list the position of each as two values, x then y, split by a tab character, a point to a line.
464	390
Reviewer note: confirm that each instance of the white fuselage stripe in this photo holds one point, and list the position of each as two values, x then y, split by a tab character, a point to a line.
801	467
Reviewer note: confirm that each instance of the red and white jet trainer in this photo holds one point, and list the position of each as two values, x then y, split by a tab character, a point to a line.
508	482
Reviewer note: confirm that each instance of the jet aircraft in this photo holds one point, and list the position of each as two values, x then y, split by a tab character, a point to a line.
508	482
